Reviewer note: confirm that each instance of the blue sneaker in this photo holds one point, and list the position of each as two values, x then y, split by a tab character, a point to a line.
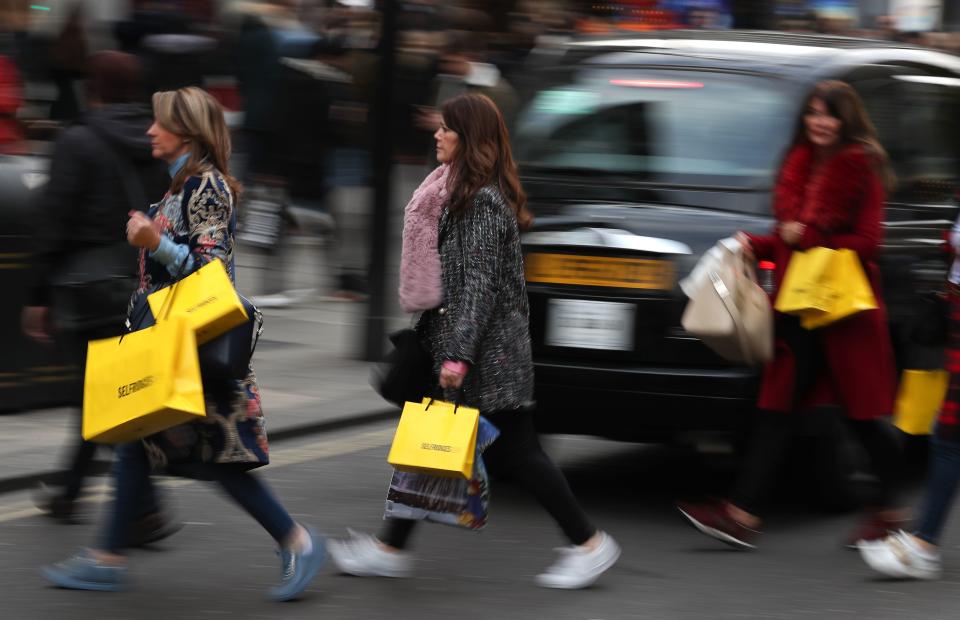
82	572
299	569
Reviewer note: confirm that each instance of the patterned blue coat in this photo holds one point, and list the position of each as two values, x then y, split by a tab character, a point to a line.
202	218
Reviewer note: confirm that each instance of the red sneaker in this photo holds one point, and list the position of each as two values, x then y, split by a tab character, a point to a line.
714	520
873	526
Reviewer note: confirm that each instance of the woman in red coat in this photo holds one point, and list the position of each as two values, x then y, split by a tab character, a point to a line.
830	192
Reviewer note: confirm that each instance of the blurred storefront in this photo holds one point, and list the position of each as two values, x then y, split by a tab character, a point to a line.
907	15
660	14
904	15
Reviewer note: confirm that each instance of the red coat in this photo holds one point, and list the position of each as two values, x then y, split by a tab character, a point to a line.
841	203
10	99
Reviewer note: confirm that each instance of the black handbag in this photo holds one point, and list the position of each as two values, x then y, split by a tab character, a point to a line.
226	357
932	320
408	372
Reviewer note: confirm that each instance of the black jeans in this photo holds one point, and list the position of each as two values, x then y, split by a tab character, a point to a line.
774	429
517	455
768	447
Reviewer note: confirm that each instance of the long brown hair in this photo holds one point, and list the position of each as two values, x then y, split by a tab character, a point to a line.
192	113
843	103
483	155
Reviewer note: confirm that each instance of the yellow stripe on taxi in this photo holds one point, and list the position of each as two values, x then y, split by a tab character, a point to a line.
639	273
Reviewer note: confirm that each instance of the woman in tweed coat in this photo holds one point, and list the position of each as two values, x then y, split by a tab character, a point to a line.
193	225
480	341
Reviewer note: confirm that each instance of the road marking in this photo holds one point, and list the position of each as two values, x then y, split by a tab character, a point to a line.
324	449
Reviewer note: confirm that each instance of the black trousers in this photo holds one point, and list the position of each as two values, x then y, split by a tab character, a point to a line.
774	429
81	453
517	455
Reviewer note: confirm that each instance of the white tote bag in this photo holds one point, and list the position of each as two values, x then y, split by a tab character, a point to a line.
728	310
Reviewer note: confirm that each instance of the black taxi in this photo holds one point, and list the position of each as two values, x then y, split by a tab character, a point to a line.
639	152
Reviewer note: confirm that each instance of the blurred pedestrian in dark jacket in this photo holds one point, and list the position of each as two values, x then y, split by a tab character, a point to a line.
258	67
101	169
68	64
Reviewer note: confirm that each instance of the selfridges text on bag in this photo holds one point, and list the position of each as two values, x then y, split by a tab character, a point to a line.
728	310
435	437
142	383
207	299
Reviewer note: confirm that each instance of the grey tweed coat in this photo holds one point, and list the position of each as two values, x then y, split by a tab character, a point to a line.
484	319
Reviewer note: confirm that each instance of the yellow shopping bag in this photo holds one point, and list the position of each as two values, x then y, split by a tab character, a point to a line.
142	383
919	399
822	286
435	437
806	283
851	292
207	298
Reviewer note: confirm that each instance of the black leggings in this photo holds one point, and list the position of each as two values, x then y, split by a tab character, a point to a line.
517	454
769	443
773	430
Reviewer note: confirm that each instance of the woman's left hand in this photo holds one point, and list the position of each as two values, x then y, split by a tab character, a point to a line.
142	231
792	232
450	380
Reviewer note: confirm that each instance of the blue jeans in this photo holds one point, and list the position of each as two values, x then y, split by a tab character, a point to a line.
941	488
131	474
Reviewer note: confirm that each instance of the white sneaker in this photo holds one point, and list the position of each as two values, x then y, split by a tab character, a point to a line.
361	555
578	568
899	556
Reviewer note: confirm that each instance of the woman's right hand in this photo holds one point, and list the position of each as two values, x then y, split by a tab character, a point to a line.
142	232
744	242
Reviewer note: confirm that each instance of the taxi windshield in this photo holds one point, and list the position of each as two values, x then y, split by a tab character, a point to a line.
665	126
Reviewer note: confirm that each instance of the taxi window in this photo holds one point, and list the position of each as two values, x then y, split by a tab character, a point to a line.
917	117
661	125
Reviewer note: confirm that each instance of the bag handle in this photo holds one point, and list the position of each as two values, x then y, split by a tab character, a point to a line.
435	394
726	298
168	303
258	317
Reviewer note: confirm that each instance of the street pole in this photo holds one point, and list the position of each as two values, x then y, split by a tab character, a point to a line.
382	168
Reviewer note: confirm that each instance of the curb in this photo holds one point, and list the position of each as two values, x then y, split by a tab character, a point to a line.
28	481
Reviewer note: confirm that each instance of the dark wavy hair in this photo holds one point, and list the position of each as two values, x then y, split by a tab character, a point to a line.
483	155
843	103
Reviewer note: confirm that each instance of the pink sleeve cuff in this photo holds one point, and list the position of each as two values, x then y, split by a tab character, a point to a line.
461	368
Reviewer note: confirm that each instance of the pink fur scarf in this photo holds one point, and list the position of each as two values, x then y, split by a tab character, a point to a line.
421	287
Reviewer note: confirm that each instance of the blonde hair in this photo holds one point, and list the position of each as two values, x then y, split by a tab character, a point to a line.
193	114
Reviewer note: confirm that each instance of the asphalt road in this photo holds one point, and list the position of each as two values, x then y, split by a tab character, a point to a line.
222	562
